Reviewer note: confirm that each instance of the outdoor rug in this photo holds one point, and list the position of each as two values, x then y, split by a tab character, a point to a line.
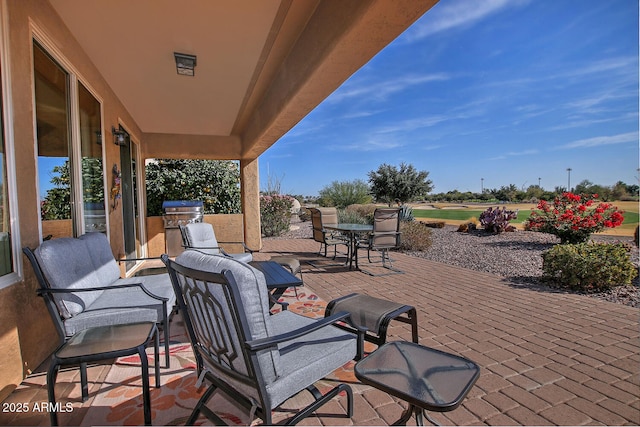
119	401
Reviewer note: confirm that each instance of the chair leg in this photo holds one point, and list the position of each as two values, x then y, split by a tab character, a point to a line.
167	344
201	406
321	400
52	374
84	382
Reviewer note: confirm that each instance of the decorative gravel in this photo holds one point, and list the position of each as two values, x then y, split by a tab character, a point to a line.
515	255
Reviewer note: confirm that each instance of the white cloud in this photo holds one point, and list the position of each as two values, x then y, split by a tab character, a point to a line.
514	154
383	88
452	14
602	140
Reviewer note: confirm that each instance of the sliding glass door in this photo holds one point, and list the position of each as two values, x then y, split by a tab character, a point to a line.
69	149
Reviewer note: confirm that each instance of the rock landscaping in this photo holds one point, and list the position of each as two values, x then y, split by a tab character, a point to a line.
516	256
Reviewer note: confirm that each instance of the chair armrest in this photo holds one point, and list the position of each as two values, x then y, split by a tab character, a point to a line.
102	288
244	245
201	247
262	343
121	260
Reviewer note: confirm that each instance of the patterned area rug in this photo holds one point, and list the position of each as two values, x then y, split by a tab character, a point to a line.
119	401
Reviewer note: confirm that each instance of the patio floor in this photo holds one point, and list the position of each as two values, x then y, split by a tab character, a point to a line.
547	357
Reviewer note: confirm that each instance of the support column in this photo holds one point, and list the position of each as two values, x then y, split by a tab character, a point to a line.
250	193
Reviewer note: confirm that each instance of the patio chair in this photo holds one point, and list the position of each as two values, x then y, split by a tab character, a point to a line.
201	236
257	359
80	282
320	217
385	235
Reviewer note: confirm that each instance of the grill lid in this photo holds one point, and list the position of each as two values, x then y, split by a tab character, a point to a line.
182	206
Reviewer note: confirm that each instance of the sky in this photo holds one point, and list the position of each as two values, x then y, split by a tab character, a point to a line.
482	94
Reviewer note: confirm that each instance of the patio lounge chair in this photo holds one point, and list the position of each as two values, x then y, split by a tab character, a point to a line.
201	236
385	235
320	217
257	359
81	286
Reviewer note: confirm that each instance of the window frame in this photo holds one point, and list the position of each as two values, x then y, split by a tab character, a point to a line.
75	155
9	152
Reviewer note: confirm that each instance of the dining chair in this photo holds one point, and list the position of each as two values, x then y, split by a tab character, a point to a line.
319	217
385	235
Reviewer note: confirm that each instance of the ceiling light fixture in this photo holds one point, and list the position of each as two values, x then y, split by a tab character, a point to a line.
185	64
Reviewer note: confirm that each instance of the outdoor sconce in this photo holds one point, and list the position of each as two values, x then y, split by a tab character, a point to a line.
185	64
118	136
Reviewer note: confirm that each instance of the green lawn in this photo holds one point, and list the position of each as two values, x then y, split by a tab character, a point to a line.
630	218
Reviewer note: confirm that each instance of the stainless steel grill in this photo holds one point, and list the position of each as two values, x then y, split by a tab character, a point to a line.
177	213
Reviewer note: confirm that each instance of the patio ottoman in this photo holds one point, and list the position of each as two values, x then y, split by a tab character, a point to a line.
375	314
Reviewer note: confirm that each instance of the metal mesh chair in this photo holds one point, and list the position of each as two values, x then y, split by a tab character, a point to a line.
319	217
385	235
201	236
257	359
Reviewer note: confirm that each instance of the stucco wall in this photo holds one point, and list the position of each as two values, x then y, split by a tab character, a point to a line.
27	335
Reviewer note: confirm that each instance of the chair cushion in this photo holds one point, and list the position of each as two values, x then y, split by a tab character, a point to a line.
157	284
306	360
116	307
104	263
253	292
67	264
201	235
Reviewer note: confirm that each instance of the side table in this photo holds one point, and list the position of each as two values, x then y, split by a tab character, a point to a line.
426	378
103	343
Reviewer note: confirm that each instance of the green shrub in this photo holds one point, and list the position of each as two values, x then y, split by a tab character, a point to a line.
589	267
416	236
363	210
350	216
275	214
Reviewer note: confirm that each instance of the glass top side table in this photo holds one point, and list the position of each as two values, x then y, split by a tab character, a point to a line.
426	378
105	343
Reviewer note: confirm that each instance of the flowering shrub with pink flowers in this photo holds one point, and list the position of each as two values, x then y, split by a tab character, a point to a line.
573	218
275	214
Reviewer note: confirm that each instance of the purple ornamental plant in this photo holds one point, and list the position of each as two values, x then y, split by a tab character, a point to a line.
497	220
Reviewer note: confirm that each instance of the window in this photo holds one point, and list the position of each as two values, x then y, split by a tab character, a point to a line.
69	145
6	257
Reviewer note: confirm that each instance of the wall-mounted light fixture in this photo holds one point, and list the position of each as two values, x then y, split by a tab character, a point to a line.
185	64
118	136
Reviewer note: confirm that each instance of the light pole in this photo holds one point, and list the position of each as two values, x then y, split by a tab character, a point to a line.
539	182
569	179
481	185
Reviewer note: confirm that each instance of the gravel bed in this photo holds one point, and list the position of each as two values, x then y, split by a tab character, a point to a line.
516	256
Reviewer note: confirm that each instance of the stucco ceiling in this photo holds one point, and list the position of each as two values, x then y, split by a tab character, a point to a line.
132	44
262	65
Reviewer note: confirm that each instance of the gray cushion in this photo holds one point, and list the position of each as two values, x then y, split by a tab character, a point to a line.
116	307
67	264
201	235
253	292
104	263
307	359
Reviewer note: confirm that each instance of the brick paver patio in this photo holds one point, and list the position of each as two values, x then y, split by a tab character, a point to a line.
547	358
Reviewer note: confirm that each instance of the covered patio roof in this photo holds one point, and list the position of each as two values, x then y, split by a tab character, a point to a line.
262	65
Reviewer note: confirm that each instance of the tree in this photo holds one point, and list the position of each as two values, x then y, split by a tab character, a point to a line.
57	202
389	183
344	193
215	182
